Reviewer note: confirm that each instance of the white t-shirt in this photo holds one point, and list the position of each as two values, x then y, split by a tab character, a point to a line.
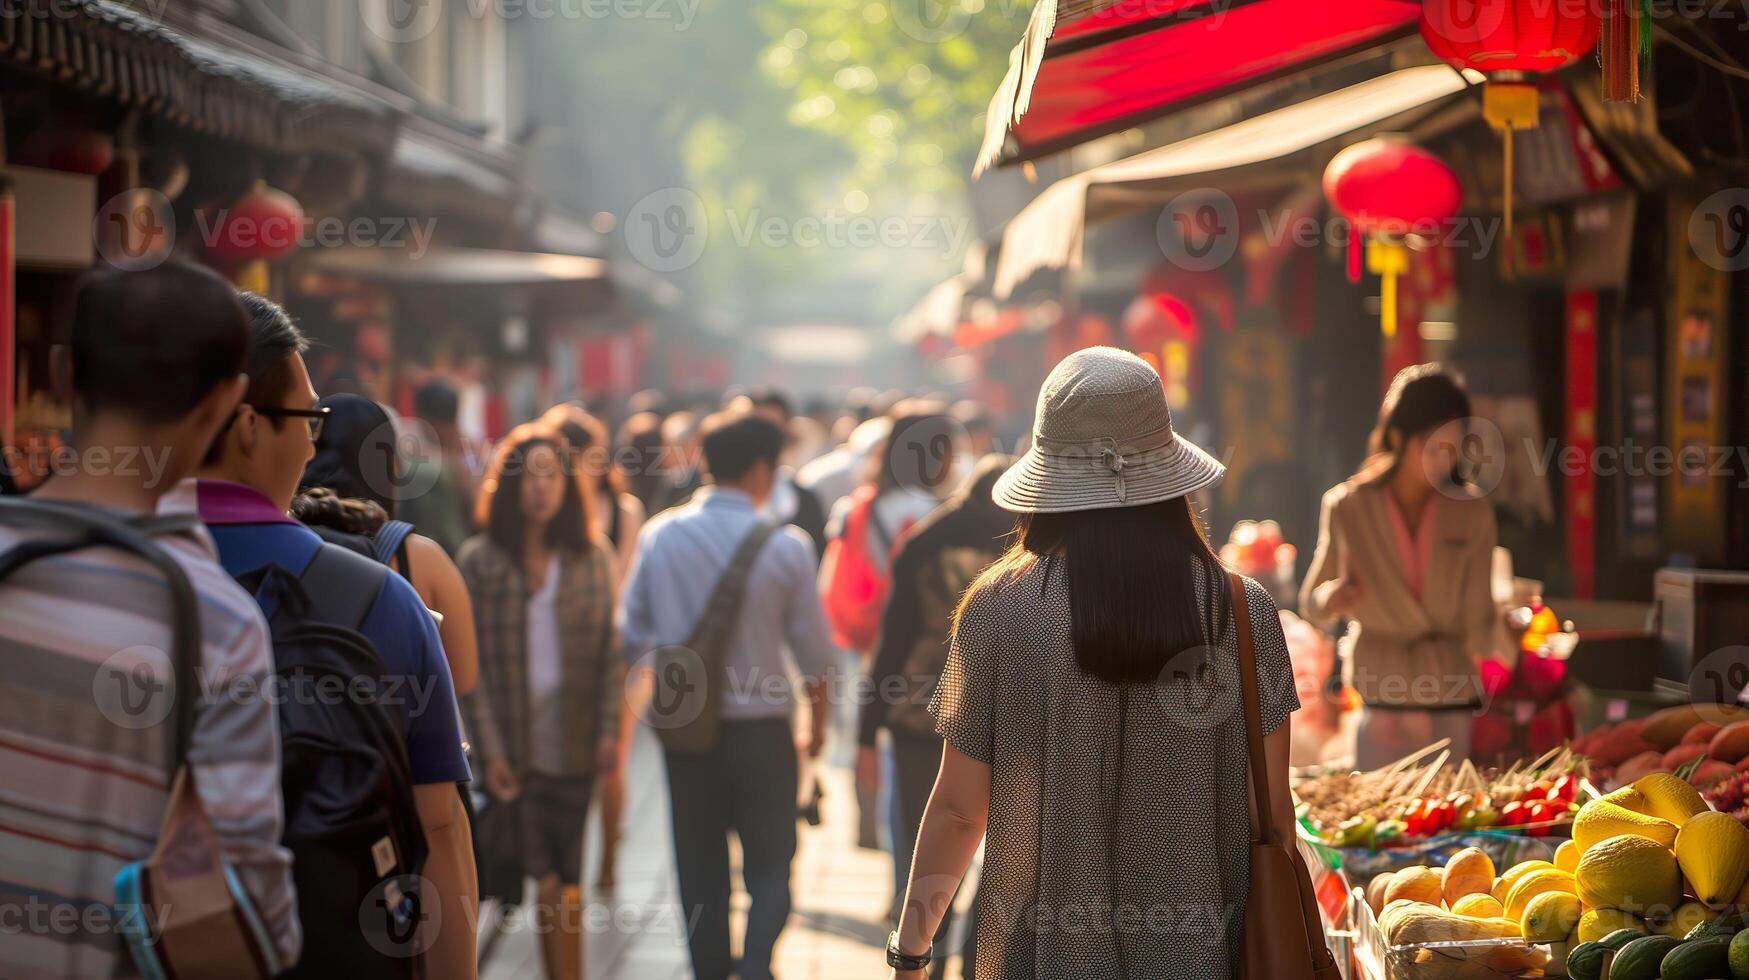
546	728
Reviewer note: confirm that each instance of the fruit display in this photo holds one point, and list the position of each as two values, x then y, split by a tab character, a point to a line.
1707	743
1654	887
1421	796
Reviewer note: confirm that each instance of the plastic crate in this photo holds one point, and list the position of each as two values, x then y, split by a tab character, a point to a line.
1598	706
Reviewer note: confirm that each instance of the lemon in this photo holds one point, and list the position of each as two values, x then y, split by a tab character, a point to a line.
1551	917
1598	923
1567	856
1479	906
1534	884
1503	887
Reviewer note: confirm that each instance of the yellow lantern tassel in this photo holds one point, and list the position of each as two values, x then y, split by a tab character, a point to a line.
1387	260
1509	106
253	277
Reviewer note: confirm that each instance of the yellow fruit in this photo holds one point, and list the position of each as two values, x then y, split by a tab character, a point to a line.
1468	872
1375	891
1551	917
1686	917
1412	924
1598	923
1503	887
1567	856
1479	907
1634	874
1671	799
1599	820
1415	885
1536	883
1713	850
1630	798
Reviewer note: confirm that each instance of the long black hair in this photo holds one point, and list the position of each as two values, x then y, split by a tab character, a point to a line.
1132	574
1421	399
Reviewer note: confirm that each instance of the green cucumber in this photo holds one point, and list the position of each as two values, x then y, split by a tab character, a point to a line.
1619	938
1703	959
1642	958
1589	961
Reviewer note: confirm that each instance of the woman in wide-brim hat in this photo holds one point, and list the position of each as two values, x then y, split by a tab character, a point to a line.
1091	708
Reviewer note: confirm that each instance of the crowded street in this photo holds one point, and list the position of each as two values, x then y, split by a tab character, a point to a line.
874	489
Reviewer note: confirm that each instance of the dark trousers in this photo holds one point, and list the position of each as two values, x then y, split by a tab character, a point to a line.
747	785
916	761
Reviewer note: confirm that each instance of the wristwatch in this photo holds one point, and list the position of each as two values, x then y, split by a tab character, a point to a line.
903	961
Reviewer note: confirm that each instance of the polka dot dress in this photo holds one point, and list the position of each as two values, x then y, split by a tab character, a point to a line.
1118	842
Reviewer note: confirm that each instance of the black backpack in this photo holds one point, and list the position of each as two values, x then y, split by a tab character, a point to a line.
351	821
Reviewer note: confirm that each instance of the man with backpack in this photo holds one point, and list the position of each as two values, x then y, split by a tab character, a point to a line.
335	612
89	722
715	584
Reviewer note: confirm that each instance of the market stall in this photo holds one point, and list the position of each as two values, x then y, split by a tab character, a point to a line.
1622	855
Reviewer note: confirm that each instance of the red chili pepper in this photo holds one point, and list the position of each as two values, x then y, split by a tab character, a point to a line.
1566	789
1540	816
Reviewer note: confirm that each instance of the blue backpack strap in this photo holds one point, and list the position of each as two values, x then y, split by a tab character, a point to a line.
389	539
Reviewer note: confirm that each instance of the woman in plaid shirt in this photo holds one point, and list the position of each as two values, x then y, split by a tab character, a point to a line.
545	716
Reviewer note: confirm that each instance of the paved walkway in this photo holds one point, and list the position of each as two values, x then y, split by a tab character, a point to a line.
836	932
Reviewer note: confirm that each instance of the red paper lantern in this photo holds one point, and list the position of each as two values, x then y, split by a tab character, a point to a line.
64	145
263	226
1509	35
1390	187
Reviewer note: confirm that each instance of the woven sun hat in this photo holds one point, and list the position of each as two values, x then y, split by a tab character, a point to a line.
1103	438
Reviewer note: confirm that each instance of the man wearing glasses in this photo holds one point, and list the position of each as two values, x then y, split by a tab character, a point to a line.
242	492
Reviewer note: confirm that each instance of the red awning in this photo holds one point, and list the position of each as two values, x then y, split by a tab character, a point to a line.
1093	67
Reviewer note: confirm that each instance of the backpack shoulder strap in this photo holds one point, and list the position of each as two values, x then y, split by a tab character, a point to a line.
389	539
82	527
342	586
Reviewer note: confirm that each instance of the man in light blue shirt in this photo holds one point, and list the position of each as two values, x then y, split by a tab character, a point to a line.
748	782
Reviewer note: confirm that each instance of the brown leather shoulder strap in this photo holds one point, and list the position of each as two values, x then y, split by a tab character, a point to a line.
1262	827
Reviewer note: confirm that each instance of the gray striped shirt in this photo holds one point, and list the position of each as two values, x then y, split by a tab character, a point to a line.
85	745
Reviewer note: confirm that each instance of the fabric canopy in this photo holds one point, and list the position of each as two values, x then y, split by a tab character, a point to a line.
442	265
1086	68
1048	233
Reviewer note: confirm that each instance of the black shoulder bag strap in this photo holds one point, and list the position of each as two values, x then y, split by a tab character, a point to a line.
342	586
724	606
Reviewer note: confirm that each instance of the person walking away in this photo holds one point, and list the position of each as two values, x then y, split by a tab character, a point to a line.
939	559
546	717
242	492
747	782
1405	554
356	461
444	511
1091	709
790	503
832	476
640	442
908	473
157	360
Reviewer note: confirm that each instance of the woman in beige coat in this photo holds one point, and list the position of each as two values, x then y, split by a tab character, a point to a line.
1405	550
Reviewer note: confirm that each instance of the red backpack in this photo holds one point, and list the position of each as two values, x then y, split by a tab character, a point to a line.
856	586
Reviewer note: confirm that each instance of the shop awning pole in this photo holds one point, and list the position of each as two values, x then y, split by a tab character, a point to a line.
8	310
